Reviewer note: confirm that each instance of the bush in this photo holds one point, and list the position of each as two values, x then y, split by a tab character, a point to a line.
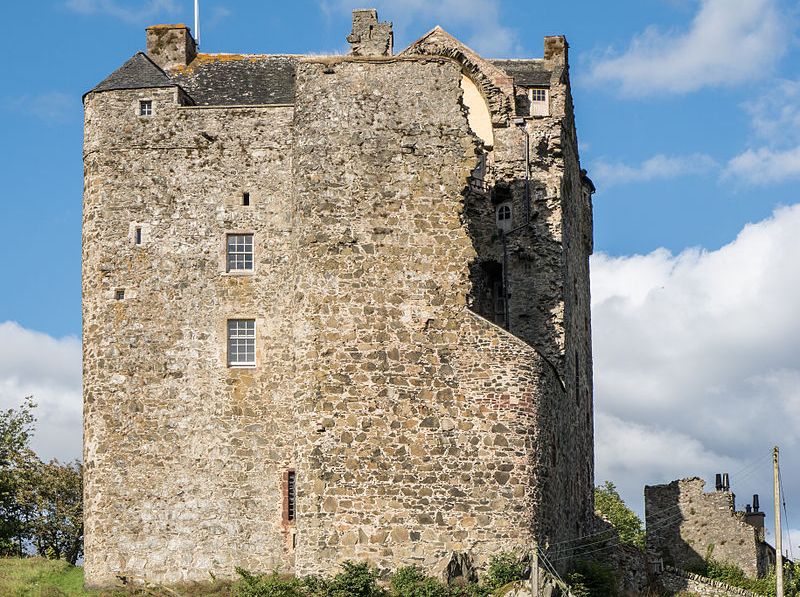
355	580
268	585
412	582
590	579
503	568
628	525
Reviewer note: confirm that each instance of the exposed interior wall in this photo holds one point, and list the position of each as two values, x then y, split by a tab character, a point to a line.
479	118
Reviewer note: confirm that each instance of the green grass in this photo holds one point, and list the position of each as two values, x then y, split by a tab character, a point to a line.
37	577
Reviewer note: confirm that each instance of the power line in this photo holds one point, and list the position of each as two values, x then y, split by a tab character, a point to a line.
785	515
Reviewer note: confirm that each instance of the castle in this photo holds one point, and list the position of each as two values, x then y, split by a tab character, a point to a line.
334	308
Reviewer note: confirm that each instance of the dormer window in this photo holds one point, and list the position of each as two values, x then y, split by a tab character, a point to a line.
145	107
503	216
540	102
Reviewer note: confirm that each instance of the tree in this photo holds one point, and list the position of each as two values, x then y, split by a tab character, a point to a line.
17	463
628	525
55	526
41	504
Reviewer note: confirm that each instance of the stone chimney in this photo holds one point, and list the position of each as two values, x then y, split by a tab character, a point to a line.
369	37
556	51
170	46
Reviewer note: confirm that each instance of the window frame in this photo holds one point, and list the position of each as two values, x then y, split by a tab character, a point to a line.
145	108
249	337
504	223
543	105
242	253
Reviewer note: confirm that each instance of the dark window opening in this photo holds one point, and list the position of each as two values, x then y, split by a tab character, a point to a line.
291	496
138	235
146	108
245	198
119	295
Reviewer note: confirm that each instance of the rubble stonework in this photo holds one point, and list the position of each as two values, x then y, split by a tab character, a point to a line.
685	525
415	426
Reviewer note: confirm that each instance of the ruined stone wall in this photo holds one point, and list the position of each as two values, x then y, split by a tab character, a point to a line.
680	582
432	416
183	455
684	524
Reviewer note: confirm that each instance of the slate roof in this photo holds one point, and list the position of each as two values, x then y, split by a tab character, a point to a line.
139	72
234	79
527	73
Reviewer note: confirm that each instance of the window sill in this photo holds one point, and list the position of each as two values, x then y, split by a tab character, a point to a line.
235	273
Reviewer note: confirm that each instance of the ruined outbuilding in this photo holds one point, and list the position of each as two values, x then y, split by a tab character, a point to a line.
686	525
334	308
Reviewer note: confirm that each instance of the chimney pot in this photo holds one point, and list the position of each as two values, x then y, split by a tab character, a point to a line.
755	502
718	484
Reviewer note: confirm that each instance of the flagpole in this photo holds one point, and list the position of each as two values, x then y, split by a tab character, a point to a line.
197	22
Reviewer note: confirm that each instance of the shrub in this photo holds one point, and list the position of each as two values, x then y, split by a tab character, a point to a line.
268	585
504	568
590	579
628	525
412	582
355	580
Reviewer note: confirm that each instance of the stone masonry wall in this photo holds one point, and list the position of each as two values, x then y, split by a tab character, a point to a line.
183	454
416	427
684	524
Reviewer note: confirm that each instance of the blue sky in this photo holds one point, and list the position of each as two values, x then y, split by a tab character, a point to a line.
689	122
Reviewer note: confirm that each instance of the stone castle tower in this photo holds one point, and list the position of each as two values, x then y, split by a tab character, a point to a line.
334	308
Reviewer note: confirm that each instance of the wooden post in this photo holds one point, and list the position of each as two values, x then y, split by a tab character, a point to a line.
535	570
778	547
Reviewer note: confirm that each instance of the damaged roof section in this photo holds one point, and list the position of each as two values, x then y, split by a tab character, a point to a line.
526	73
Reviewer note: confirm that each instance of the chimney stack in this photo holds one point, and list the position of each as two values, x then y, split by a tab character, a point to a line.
556	51
170	46
369	37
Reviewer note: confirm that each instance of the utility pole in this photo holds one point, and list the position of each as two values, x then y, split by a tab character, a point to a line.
778	553
535	570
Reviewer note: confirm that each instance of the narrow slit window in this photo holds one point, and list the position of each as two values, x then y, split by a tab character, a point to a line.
138	235
291	496
240	253
241	342
146	108
245	198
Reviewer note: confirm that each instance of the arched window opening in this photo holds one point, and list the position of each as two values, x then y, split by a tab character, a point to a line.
503	215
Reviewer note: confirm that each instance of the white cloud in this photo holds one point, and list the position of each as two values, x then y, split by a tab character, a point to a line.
49	369
728	42
765	165
479	18
139	12
52	107
775	120
695	360
658	167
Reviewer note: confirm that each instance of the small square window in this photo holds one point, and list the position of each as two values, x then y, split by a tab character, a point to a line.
241	342
146	108
540	106
240	253
119	294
